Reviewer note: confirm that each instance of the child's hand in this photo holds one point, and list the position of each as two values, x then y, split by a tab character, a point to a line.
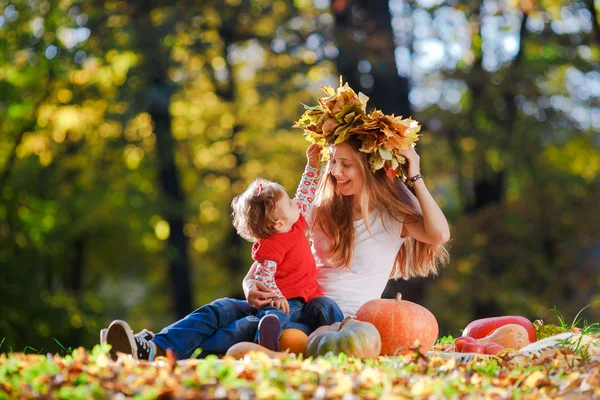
313	155
282	304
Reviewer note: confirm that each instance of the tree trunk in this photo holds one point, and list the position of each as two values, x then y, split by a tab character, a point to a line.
155	67
595	25
490	187
75	277
233	243
364	32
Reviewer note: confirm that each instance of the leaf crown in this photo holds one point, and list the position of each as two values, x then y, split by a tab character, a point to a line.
342	114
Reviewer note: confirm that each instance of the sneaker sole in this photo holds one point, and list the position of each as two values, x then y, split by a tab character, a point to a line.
268	332
120	337
103	333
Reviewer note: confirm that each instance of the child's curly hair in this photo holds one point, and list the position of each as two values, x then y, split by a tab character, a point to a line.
254	211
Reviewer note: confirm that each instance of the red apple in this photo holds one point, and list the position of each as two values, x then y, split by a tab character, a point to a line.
473	348
461	341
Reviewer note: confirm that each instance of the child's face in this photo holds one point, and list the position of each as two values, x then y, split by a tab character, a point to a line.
288	212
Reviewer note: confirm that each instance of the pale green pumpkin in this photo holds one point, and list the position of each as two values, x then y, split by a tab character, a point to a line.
352	337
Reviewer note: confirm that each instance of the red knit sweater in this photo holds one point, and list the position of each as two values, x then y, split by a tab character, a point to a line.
296	269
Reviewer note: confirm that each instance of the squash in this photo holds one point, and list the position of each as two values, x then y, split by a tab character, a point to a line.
352	337
400	323
293	340
512	336
239	350
481	328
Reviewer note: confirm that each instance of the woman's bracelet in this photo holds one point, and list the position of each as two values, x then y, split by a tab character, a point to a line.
415	178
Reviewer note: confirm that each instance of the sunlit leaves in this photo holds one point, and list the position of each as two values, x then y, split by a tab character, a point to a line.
577	157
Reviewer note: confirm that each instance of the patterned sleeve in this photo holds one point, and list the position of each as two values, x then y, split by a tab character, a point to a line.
265	273
305	194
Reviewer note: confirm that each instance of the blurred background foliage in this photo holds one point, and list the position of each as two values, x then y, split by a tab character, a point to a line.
126	128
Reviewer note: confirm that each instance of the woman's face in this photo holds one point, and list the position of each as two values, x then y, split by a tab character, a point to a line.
346	170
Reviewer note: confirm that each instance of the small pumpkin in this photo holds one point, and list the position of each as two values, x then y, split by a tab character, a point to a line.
293	340
354	338
400	323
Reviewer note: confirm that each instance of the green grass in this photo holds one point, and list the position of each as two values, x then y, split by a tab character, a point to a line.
586	327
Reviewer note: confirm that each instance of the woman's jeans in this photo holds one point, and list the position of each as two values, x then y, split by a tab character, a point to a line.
219	325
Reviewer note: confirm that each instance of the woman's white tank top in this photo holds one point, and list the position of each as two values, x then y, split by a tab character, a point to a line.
372	262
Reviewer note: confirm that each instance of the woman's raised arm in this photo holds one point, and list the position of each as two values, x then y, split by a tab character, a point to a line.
434	229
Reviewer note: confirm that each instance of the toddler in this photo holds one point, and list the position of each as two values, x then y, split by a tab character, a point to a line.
265	214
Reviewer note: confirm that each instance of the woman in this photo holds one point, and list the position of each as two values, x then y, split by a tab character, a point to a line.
366	227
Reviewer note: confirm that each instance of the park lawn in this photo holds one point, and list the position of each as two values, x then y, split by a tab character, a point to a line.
570	372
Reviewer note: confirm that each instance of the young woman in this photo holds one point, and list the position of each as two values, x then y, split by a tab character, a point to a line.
366	227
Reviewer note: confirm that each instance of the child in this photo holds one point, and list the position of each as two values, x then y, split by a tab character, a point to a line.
264	214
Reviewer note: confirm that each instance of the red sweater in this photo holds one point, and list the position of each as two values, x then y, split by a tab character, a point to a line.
296	269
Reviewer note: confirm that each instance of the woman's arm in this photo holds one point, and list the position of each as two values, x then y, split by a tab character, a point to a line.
434	229
257	293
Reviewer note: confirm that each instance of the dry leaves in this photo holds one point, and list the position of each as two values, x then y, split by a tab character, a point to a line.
554	372
342	114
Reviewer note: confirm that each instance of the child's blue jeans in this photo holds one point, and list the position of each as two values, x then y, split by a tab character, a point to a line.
219	325
303	314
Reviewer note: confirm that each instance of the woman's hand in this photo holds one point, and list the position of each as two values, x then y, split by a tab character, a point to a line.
259	295
413	160
313	155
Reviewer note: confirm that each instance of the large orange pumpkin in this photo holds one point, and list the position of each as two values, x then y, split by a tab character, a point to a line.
400	323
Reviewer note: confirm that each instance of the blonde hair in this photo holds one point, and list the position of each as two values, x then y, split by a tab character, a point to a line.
254	211
334	214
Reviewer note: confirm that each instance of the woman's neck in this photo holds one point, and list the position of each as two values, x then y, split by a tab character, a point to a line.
357	210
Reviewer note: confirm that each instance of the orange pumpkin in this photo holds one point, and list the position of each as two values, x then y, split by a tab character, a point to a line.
400	323
293	340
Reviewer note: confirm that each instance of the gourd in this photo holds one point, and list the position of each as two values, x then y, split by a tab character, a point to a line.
481	328
511	336
293	340
400	323
239	350
352	337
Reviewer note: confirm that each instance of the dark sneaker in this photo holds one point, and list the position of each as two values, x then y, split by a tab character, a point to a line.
268	332
144	334
121	338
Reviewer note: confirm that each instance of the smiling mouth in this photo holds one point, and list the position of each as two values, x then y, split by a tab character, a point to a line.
342	183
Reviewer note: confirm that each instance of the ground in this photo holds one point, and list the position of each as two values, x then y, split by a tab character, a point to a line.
569	370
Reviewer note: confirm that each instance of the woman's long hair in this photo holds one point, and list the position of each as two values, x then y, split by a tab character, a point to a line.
334	214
